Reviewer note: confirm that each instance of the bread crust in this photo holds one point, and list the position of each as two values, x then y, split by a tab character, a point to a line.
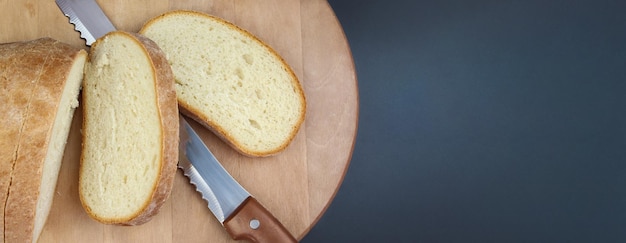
216	128
40	70
168	112
14	70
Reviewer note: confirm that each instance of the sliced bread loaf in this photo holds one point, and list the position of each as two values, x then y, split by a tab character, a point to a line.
39	85
130	130
230	81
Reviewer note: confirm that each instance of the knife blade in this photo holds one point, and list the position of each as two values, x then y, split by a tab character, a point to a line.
243	217
87	17
240	213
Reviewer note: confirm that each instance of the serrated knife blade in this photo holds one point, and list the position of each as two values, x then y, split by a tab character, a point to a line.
87	17
240	213
243	217
223	200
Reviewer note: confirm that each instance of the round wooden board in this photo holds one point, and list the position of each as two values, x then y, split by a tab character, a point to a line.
296	185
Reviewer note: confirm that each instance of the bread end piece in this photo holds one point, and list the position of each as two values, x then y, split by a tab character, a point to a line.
42	79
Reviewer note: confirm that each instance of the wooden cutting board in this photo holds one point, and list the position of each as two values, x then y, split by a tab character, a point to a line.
296	185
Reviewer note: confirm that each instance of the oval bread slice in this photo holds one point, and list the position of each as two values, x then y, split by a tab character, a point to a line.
130	130
230	81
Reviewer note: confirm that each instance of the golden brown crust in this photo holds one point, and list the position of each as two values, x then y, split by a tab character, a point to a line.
13	58
40	69
168	109
201	118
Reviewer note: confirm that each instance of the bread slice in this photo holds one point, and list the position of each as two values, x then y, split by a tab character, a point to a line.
130	130
230	81
40	82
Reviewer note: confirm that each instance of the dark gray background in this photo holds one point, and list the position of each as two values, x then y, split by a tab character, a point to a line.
485	121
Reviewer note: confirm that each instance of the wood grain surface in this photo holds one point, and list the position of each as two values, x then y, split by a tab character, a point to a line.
296	185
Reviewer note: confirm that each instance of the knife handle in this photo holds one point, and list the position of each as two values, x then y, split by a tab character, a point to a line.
251	221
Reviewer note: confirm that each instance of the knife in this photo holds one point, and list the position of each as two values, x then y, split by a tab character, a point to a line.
87	17
241	214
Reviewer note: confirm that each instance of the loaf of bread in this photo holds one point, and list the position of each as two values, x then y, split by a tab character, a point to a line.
130	130
39	86
230	81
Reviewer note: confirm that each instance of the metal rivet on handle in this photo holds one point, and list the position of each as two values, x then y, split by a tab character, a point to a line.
254	224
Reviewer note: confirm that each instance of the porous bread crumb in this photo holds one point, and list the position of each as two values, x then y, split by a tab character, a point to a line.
129	149
230	81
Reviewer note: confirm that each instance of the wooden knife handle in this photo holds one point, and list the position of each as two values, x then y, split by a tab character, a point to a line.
251	221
